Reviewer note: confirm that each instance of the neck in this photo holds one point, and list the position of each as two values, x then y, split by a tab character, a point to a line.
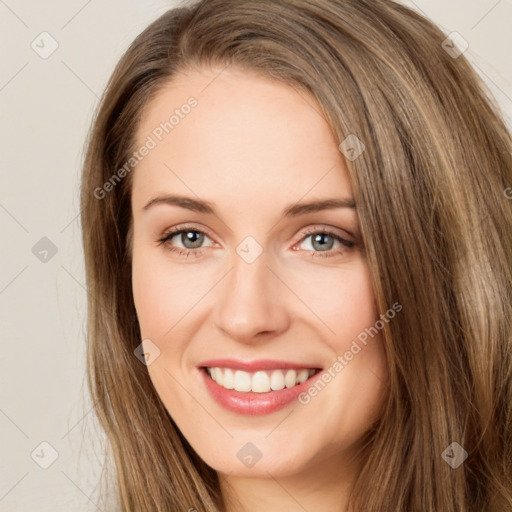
322	487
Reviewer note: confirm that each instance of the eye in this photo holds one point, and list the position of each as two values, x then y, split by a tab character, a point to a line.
324	243
191	240
188	241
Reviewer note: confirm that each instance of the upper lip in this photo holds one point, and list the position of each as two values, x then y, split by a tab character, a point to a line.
251	366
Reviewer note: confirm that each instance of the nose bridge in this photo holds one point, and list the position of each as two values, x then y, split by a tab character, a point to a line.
249	301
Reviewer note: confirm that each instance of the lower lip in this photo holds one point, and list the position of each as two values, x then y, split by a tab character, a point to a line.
255	404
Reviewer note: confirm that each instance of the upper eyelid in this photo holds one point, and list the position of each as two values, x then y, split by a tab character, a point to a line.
170	233
329	229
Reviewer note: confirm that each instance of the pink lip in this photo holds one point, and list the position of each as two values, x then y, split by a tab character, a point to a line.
255	404
252	366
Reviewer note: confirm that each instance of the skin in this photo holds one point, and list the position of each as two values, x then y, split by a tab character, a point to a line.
252	147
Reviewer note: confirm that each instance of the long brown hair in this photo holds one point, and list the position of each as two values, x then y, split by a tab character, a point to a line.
437	228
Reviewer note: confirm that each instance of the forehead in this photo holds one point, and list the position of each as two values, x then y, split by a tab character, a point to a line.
235	134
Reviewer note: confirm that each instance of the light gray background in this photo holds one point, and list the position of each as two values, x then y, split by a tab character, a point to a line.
46	109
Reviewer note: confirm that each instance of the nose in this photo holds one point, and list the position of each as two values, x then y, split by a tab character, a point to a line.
252	302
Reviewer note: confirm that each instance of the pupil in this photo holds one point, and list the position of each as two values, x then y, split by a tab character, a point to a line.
320	237
192	239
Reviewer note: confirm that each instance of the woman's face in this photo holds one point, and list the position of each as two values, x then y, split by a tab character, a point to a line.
266	282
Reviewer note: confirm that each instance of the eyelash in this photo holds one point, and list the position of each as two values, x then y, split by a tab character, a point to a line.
347	244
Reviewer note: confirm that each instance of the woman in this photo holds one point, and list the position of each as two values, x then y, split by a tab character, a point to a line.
298	251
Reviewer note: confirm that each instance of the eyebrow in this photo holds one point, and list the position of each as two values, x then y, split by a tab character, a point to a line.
294	210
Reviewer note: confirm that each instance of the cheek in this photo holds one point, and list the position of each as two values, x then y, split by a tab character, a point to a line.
162	293
355	309
360	336
344	303
152	295
342	299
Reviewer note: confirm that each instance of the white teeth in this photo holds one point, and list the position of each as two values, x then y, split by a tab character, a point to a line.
229	379
260	381
290	379
217	375
302	376
277	380
242	381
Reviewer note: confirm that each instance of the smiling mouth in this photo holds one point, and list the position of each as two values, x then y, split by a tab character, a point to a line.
261	381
